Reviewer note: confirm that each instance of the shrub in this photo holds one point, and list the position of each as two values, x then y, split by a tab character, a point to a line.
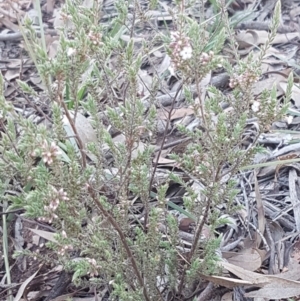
112	216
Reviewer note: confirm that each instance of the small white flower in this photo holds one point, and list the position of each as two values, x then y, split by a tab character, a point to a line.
204	56
49	152
172	70
289	119
255	106
186	52
174	35
70	51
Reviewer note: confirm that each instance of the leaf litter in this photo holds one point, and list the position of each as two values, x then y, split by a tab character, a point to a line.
260	245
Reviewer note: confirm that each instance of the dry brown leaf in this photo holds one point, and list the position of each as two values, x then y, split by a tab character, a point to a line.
247	38
9	90
292	271
274	59
52	45
266	171
266	84
24	286
273	287
50	6
294	191
226	281
45	234
33	295
266	67
270	52
162	159
249	259
176	113
60	22
15	63
9	24
137	148
252	277
263	254
295	12
277	288
84	129
280	38
246	50
164	65
11	74
227	297
258	37
202	87
8	12
287	55
296	252
282	75
36	240
144	83
37	81
69	297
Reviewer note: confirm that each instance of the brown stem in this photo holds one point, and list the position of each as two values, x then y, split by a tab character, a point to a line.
31	103
243	157
203	116
9	137
195	244
199	229
113	222
70	119
160	150
206	293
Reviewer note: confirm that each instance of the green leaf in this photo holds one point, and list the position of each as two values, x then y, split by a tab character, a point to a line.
181	210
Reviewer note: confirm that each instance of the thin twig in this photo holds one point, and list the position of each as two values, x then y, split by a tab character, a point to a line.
9	137
113	222
5	250
161	148
206	293
32	103
70	119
